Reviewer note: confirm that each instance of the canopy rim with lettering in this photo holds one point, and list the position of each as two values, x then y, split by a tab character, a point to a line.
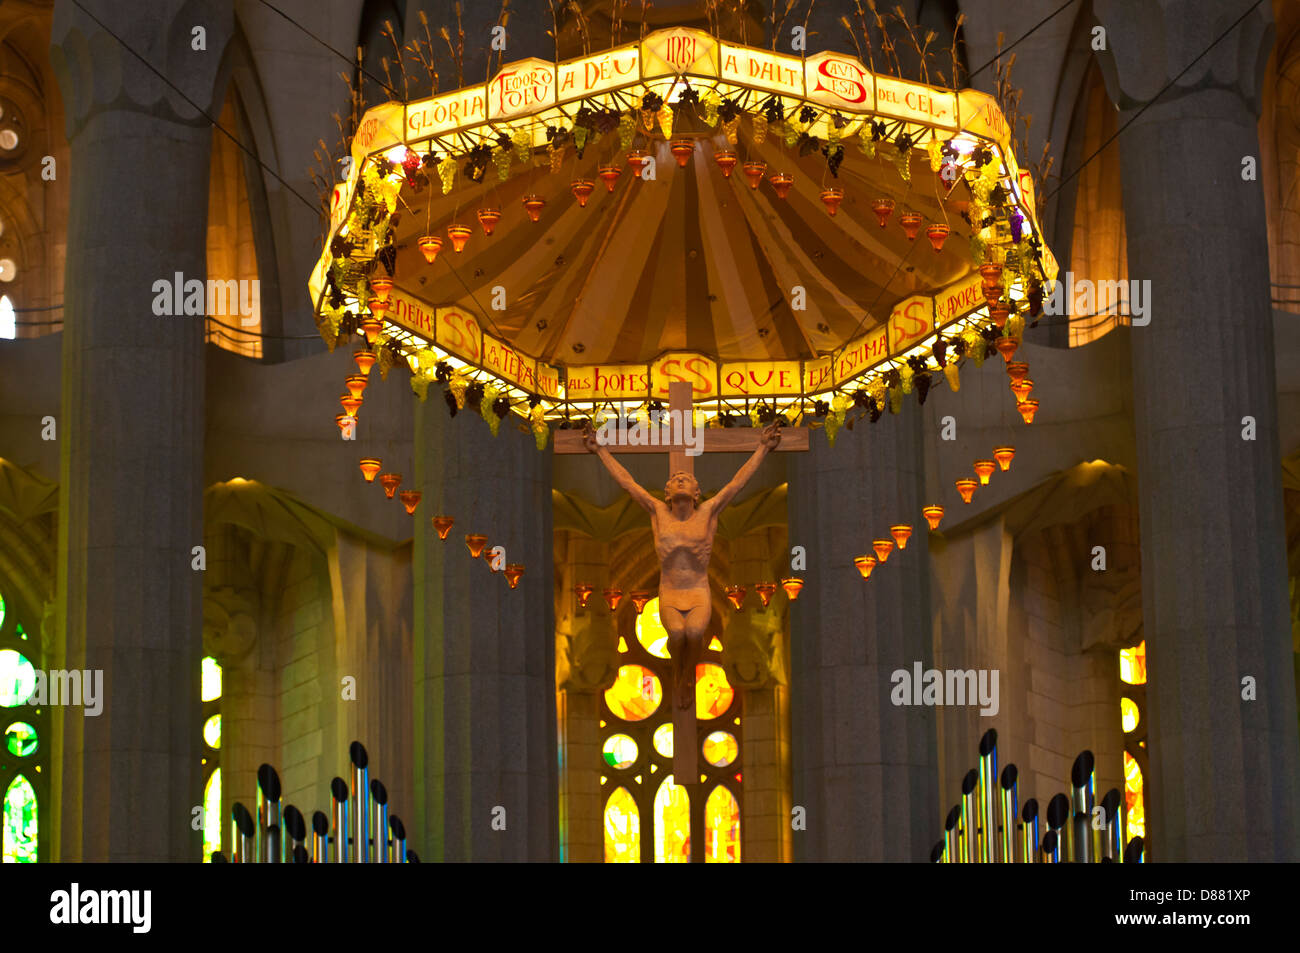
498	137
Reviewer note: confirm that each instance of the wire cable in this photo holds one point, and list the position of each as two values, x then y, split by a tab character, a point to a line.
315	207
1152	101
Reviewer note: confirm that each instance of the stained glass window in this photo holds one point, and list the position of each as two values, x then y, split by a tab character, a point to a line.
1133	675
713	693
211	679
17	678
721	828
672	823
620	751
663	739
1136	817
212	732
21	739
1133	665
635	694
20	823
210	694
720	749
650	632
23	782
647	816
212	815
1128	714
622	829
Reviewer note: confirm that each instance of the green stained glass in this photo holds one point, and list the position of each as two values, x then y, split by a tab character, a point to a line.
212	731
212	815
17	678
620	751
19	823
2	609
20	739
21	634
211	679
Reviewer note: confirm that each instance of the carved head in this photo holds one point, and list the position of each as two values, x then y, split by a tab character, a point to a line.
682	484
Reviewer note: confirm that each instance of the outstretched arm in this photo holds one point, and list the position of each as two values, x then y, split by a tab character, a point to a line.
617	471
766	444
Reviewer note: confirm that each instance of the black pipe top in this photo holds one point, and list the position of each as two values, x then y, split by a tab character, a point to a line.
397	827
379	792
936	852
1058	811
1049	842
320	823
412	857
1082	770
294	823
357	752
954	818
243	820
1030	811
1133	852
969	783
988	742
1110	803
1009	775
300	855
269	782
218	858
339	789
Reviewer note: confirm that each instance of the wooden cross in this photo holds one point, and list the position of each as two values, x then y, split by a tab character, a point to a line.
739	440
716	440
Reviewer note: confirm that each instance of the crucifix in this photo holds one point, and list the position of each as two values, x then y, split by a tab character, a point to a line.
683	530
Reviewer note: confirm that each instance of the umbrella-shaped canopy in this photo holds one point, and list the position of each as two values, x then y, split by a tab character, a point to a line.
745	283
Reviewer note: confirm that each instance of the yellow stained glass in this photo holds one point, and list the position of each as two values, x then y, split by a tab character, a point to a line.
672	824
620	751
663	739
713	693
1133	664
721	828
211	679
1135	816
622	829
721	748
212	815
212	731
715	645
1129	713
635	694
650	631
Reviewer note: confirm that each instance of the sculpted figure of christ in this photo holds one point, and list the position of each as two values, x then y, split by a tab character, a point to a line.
683	530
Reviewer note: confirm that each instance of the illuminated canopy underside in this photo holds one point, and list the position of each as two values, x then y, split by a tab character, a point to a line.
691	275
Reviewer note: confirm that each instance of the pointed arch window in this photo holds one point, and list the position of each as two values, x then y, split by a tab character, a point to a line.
24	758
648	816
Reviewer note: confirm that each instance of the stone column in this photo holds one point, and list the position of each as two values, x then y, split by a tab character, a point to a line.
1224	777
131	426
863	768
588	659
485	719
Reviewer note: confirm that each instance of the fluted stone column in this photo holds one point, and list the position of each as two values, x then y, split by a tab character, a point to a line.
863	768
131	426
1224	777
485	720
